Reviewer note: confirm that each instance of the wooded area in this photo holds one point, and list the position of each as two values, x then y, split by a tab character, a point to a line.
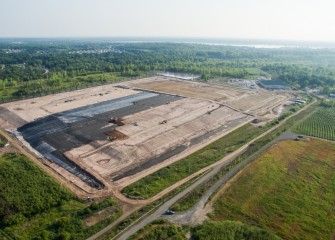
43	67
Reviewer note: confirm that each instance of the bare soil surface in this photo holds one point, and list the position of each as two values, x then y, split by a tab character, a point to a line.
257	103
189	89
9	119
252	101
34	108
8	149
153	132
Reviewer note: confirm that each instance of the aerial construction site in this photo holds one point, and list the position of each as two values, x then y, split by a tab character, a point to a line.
104	138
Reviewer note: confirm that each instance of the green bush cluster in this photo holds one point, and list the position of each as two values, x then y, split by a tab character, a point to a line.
34	206
26	190
230	230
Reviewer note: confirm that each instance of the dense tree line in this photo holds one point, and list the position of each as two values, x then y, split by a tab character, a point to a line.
54	61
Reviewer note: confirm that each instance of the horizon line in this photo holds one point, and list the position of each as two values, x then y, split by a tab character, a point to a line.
168	37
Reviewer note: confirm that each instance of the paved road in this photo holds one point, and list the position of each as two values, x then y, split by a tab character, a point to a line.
162	209
196	214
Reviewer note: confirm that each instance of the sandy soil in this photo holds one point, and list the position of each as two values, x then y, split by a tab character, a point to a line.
149	138
252	101
257	103
34	108
188	89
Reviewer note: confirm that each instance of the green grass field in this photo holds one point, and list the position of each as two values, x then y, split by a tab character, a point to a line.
160	230
289	190
230	230
34	206
163	178
320	124
209	230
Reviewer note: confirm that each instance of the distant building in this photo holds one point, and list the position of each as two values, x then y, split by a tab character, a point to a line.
274	85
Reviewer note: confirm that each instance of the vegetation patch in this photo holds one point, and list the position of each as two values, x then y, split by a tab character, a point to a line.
26	190
230	230
320	124
3	141
160	230
143	211
191	198
34	206
289	190
165	177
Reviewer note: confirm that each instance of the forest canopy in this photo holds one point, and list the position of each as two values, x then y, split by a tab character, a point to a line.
44	66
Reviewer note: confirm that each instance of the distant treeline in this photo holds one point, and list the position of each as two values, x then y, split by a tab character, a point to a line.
57	64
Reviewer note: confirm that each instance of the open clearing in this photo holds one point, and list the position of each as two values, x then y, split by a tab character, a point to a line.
289	190
186	120
251	101
35	108
110	136
188	89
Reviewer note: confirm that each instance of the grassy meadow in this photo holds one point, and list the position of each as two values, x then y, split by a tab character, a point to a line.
288	190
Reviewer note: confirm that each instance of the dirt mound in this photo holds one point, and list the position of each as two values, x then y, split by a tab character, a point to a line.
103	161
116	135
117	121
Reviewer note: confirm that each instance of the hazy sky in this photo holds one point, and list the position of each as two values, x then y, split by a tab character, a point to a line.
259	19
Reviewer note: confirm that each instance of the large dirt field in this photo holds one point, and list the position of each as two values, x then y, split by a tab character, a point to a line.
188	89
153	132
257	103
103	134
251	101
34	108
